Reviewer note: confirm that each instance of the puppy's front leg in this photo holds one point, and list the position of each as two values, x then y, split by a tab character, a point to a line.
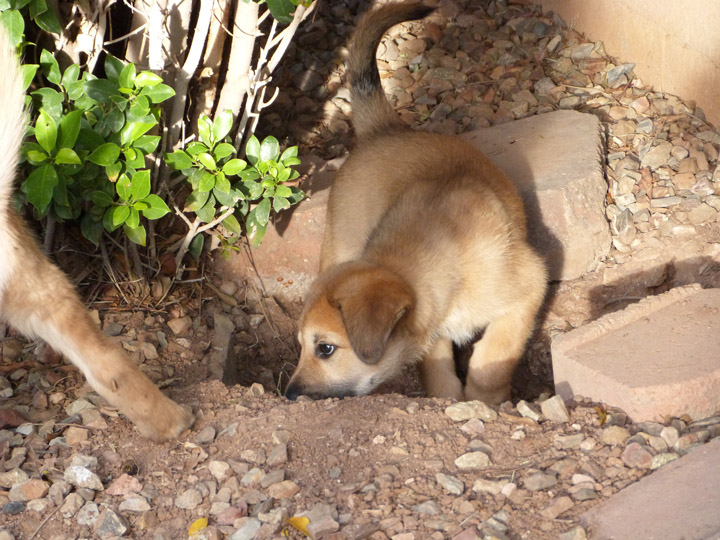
40	301
437	371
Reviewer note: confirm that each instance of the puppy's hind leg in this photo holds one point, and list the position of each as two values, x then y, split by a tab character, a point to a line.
437	371
39	301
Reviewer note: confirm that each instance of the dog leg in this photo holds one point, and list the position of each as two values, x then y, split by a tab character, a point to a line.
40	301
437	371
495	356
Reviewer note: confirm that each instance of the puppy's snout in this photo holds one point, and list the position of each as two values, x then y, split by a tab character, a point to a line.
293	391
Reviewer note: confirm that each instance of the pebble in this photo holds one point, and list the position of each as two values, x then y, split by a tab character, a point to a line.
489	486
428	508
88	514
247	530
180	325
557	507
473	427
576	533
219	469
322	526
277	456
12	508
283	490
189	499
134	504
539	481
554	409
28	490
569	441
635	455
205	436
614	435
71	505
83	477
661	459
109	524
12	477
451	484
124	485
6	535
525	410
465	410
472	461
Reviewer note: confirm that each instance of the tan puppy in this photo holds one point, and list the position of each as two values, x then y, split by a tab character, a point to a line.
38	300
425	245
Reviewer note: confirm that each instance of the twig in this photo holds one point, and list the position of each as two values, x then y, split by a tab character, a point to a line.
126	36
49	233
110	271
44	521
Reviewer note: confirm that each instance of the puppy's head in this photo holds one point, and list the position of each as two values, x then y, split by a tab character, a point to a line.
354	332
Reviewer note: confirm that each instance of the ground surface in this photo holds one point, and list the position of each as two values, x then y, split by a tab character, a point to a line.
383	466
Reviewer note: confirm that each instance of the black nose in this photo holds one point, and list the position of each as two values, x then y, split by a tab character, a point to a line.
293	391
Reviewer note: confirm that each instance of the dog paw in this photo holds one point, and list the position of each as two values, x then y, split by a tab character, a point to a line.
166	421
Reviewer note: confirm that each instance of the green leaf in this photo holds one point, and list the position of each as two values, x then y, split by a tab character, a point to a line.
222	183
67	156
91	228
127	76
196	200
14	25
134	130
207	161
147	143
39	187
113	171
205	129
179	160
69	129
28	74
140	185
147	78
196	246
50	67
157	94
283	191
195	148
46	132
156	207
118	215
281	10
207	182
51	101
100	89
232	225
133	219
123	187
252	150
228	199
101	199
222	125
223	150
105	155
234	166
36	156
290	152
113	68
207	212
48	21
269	149
262	212
135	234
280	204
289	162
255	230
71	74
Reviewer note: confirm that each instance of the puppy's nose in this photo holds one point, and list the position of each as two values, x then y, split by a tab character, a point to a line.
293	391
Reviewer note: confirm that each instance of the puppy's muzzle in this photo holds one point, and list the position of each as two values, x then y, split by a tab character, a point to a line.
296	389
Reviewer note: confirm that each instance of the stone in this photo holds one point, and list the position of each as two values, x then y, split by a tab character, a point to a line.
124	485
473	427
569	441
14	476
678	501
135	504
592	360
670	435
472	461
525	410
325	525
71	505
657	156
554	159
247	530
489	486
539	481
614	435
451	484
180	325
576	533
13	508
283	490
88	514
28	490
277	456
205	436
659	460
466	410
83	477
557	507
428	508
110	524
636	455
702	213
188	499
554	409
219	469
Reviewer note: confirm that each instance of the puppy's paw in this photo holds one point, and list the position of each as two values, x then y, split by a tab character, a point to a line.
167	420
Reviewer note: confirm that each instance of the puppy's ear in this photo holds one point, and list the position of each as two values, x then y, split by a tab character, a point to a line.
371	305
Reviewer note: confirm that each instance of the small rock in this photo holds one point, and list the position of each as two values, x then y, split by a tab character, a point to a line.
428	508
273	477
283	490
73	502
635	455
465	410
451	484
229	515
189	499
488	486
83	477
671	435
110	524
281	436
219	469
473	427
136	504
247	530
14	476
554	409
253	476
576	533
569	441
614	435
78	405
663	459
88	514
657	156
472	461
180	325
557	507
205	436
539	481
28	490
12	508
325	525
75	435
6	535
277	456
124	485
524	409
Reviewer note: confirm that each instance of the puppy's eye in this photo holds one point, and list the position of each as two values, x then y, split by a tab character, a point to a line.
324	350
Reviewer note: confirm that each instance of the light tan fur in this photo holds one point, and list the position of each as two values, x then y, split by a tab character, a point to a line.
425	244
37	299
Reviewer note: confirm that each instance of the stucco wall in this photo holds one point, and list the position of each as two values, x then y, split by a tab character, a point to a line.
674	44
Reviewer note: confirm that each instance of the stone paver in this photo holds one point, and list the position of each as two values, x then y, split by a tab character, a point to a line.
658	357
680	501
554	159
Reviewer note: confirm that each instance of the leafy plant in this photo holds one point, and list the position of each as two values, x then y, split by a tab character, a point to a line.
229	190
11	15
88	147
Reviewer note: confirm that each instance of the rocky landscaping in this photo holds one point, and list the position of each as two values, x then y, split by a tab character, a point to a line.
389	466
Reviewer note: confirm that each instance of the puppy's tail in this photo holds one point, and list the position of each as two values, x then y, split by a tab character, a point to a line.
13	120
372	113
